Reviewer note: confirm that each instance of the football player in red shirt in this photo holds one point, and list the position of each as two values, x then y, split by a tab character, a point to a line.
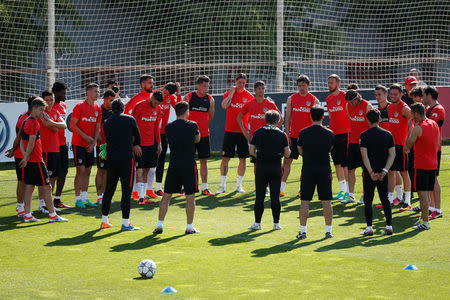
233	101
50	124
146	82
435	112
417	94
298	107
340	125
399	125
426	139
18	155
85	124
35	172
201	111
148	114
59	89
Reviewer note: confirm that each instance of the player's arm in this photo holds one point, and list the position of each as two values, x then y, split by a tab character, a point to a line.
365	159
27	152
92	144
346	109
157	132
369	107
252	150
178	92
287	124
211	110
227	100
406	113
197	137
47	122
75	128
136	138
239	118
411	140
389	161
317	102
10	152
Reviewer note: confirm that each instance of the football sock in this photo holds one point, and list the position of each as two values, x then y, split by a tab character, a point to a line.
141	189
84	196
53	214
431	208
239	181
388	227
369	228
391	197
41	202
352	195
342	185
407	197
303	228
105	219
223	181
398	189
328	228
77	198
150	178
438	210
99	197
158	186
125	222
160	223
190	226
283	186
204	186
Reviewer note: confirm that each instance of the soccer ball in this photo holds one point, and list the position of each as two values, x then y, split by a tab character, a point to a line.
147	268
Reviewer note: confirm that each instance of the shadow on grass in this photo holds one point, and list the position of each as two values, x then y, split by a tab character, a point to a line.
87	237
142	278
143	243
283	248
244	237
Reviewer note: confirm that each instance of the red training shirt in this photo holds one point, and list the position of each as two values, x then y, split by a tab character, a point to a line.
256	111
61	108
88	117
300	115
339	122
358	120
18	153
425	148
49	138
31	127
148	120
398	124
237	103
437	114
142	95
199	111
170	100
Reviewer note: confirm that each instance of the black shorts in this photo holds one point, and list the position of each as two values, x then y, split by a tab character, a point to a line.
294	150
202	148
82	157
179	175
439	162
101	163
339	151
64	158
36	174
424	180
354	159
148	159
52	162
19	171
233	141
315	176
401	159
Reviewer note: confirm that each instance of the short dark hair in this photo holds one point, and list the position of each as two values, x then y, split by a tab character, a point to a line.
58	86
317	113
396	86
117	106
115	89
202	78
352	86
303	78
381	88
144	77
272	117
373	115
91	86
259	83
158	95
181	107
37	102
431	90
30	99
171	87
418	108
111	81
416	91
352	95
335	76
46	93
109	93
241	76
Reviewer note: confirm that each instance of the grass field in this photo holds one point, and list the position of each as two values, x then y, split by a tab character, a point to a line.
77	260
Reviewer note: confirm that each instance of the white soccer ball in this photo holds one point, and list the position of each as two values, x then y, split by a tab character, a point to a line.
147	268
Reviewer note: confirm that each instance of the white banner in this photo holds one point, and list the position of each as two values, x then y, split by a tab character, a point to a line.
10	112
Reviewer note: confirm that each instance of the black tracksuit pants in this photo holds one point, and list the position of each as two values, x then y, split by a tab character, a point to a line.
268	173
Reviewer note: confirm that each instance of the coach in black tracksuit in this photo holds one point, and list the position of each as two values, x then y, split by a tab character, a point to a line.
122	142
268	145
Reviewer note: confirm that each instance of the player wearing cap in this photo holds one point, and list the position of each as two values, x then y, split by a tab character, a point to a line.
35	172
298	116
340	125
435	112
170	100
314	144
399	125
426	138
59	90
356	110
182	135
233	101
50	124
122	144
146	82
378	153
201	111
148	116
268	145
18	156
85	124
100	178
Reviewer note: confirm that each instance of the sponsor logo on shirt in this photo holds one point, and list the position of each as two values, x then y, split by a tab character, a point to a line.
202	109
149	119
302	109
237	105
394	120
357	119
258	116
165	106
90	119
336	108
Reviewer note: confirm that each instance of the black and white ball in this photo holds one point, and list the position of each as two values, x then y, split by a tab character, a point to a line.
147	268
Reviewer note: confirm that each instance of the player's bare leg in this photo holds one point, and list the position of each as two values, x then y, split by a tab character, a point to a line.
204	176
286	171
141	183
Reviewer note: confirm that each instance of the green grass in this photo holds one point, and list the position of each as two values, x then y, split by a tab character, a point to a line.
77	260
